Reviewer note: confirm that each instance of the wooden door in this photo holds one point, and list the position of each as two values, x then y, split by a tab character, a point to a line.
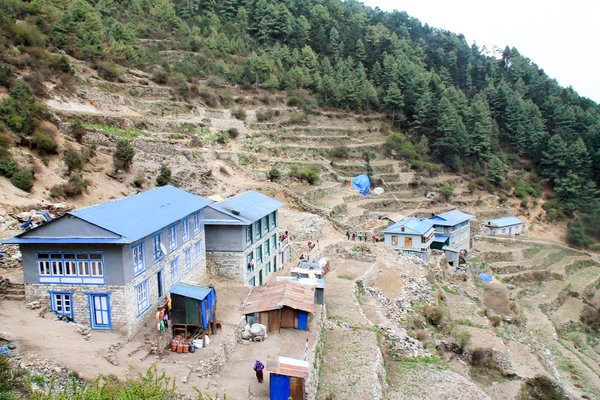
287	318
296	388
263	318
274	321
408	241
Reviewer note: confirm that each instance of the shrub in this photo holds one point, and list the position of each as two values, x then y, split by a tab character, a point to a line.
591	317
298	119
222	138
164	175
421	335
463	339
5	75
576	234
340	152
307	174
233	133
139	180
78	130
23	180
8	168
44	143
433	314
108	71
123	156
27	34
73	188
12	379
73	160
448	192
414	183
495	320
5	143
160	76
274	174
262	116
295	101
210	98
239	113
541	387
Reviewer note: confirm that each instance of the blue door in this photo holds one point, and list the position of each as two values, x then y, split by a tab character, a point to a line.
100	311
280	387
302	320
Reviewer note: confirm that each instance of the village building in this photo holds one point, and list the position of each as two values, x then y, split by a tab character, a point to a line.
506	226
110	265
242	240
287	378
194	306
453	228
411	236
280	305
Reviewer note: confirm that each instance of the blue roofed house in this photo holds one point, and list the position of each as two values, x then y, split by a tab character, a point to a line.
453	228
242	242
507	226
411	236
107	265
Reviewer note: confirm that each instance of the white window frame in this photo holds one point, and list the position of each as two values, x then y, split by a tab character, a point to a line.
274	220
258	228
137	252
198	251
249	238
173	237
185	230
143	297
188	259
156	250
196	223
266	227
175	271
259	254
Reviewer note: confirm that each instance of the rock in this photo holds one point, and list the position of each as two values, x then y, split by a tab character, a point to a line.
184	379
11	346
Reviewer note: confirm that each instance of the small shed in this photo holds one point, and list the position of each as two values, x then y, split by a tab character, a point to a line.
287	377
317	283
451	254
193	307
280	305
507	226
321	264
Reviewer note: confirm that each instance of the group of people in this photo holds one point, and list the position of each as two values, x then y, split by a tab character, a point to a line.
361	236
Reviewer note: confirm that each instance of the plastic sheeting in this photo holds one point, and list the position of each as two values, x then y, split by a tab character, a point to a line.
362	183
485	277
378	190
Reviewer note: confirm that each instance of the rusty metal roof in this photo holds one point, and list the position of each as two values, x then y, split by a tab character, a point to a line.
287	366
276	295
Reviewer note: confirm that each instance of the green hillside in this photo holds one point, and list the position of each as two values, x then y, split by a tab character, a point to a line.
453	103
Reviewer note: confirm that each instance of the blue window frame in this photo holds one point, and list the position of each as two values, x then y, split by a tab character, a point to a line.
259	254
185	230
99	310
198	251
188	259
75	268
258	225
62	303
143	297
274	220
248	235
173	237
157	248
266	227
250	261
196	223
138	258
175	276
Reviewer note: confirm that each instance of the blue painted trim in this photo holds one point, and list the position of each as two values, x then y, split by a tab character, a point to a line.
144	282
197	227
154	253
173	262
199	255
17	240
161	269
52	305
91	305
63	260
142	246
188	257
185	221
174	228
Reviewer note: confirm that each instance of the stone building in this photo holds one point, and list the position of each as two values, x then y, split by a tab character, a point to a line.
506	226
110	265
453	228
411	236
242	240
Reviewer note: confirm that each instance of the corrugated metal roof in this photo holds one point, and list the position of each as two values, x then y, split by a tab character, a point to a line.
19	240
505	221
411	225
196	291
287	366
276	295
247	207
316	282
396	217
142	214
440	238
451	218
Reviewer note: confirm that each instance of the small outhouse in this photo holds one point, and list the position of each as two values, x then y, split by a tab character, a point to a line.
193	307
287	377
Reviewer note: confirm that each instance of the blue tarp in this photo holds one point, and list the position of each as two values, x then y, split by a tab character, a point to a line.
362	183
485	277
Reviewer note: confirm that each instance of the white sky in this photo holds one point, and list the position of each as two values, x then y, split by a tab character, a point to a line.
560	36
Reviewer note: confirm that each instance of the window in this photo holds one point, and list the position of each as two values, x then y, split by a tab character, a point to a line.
196	224
266	227
138	258
198	251
62	303
259	254
269	267
267	248
70	267
157	248
143	299
175	270
173	237
188	259
274	220
258	228
248	235
394	240
185	230
274	241
250	261
503	230
160	284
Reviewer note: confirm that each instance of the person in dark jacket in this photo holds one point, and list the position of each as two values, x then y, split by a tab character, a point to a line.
258	367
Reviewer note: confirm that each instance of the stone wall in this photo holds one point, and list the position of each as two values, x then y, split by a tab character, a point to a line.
219	358
320	192
312	384
226	264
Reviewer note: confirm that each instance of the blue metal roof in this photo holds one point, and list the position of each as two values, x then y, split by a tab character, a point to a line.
505	221
411	225
247	207
20	240
451	218
194	291
440	238
142	214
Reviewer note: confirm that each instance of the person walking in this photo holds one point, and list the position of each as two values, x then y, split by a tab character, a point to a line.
348	234
309	246
353	235
258	367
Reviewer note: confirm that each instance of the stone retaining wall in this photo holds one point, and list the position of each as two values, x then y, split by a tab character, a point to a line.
312	384
320	192
214	364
